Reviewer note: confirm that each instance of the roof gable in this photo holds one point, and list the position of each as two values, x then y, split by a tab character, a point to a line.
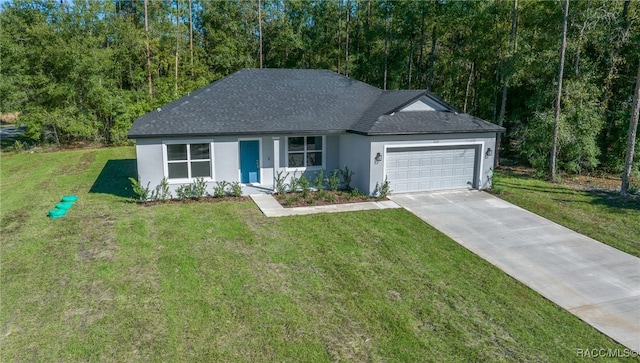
425	103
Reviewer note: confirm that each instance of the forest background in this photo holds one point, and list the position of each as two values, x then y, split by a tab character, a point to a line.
81	71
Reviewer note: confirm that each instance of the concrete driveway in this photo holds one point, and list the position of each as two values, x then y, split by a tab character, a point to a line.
597	283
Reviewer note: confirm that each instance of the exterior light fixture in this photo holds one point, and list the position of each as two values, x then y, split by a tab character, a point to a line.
378	158
488	153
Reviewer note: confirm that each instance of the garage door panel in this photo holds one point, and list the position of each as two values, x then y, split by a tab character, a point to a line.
418	169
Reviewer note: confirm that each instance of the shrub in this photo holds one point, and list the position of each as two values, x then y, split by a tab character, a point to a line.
356	193
236	189
292	200
220	189
293	182
162	192
319	181
183	191
305	186
384	189
142	193
19	146
330	198
198	188
346	176
333	181
281	186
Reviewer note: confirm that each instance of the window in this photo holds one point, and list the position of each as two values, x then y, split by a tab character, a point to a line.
187	161
305	151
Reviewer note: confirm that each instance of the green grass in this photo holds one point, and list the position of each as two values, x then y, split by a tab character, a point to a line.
116	281
602	215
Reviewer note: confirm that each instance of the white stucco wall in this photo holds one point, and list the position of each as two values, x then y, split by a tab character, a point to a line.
353	150
226	159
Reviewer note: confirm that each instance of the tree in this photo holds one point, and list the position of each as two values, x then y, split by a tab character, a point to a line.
148	53
505	84
85	70
631	142
563	47
260	29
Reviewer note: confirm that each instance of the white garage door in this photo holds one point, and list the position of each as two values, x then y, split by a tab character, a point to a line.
430	168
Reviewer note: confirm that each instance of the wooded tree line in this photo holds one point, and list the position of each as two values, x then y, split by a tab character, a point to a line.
84	70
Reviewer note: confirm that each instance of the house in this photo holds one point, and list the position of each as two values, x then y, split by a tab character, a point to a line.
254	123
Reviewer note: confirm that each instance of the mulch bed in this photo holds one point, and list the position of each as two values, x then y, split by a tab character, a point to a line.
295	199
288	200
207	199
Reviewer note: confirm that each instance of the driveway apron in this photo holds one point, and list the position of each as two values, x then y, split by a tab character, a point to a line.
597	283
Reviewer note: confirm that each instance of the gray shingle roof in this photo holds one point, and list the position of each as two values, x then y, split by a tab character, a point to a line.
430	122
275	101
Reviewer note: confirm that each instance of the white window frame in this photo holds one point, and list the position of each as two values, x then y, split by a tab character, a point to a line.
166	162
304	152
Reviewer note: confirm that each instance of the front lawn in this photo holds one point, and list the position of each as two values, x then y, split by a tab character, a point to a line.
599	214
117	281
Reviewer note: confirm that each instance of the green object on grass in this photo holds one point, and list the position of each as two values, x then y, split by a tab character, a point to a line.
64	205
57	213
69	199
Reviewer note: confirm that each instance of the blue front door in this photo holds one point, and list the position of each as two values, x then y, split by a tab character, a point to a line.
250	161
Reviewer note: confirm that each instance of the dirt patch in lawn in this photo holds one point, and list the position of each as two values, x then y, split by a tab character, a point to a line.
297	199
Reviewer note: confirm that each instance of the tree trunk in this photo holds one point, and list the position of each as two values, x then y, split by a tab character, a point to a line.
339	34
386	49
631	142
146	31
432	59
466	92
579	41
346	45
260	30
494	115
191	33
474	104
367	32
175	90
505	84
615	55
409	62
556	124
419	77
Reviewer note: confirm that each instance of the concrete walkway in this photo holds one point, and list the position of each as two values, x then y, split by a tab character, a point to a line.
597	283
271	208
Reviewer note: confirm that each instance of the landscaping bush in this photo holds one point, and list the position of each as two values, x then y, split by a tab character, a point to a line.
142	193
280	184
305	186
220	189
198	188
318	182
346	176
333	181
293	182
236	189
183	191
383	190
162	192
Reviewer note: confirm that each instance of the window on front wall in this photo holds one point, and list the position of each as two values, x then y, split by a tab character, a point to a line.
187	161
304	151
